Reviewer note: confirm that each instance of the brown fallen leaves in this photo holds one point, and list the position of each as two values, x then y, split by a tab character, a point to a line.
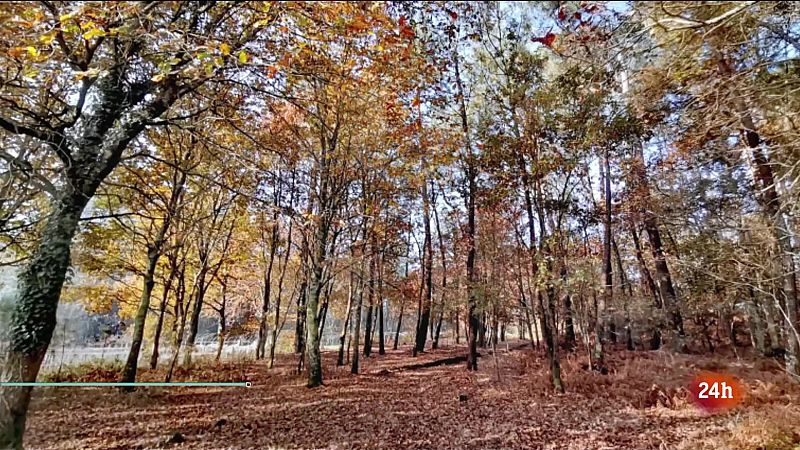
393	406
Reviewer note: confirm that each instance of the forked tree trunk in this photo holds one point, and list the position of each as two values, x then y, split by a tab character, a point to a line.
261	343
179	326
276	329
161	312
663	278
194	319
655	340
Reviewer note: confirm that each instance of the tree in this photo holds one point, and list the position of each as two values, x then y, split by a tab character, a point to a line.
134	75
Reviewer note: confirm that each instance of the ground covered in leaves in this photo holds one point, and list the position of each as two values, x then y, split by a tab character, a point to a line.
397	403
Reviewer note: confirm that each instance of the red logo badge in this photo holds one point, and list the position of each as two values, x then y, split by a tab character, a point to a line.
716	391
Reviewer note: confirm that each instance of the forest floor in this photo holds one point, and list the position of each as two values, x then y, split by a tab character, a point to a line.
642	403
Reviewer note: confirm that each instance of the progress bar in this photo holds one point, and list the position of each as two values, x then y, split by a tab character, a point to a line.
114	384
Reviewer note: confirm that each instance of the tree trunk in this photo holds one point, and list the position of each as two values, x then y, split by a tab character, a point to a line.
427	299
129	372
381	306
275	329
655	341
161	311
194	321
264	324
322	315
627	290
602	326
179	324
443	295
456	322
399	324
768	198
770	202
757	328
34	316
482	331
315	287
643	270
472	188
663	279
548	308
154	251
569	325
104	133
370	299
221	333
357	324
348	312
300	325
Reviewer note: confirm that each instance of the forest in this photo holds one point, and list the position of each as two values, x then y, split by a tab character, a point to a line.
401	224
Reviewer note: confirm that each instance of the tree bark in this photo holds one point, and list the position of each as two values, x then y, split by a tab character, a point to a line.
549	307
300	322
322	315
34	315
315	286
